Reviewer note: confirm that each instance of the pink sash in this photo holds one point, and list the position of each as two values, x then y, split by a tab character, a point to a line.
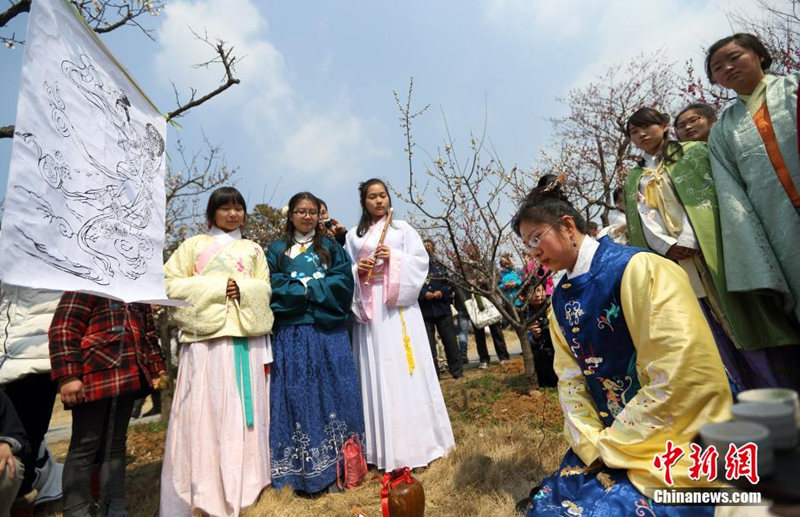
209	253
390	281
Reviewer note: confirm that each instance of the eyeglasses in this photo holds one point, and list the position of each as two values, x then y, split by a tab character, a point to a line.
685	122
537	241
303	213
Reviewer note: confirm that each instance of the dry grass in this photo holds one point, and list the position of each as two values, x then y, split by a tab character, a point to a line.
507	439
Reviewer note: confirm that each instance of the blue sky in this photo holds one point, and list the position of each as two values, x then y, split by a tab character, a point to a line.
315	109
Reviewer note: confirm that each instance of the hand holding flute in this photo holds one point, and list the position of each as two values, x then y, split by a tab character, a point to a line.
365	265
382	252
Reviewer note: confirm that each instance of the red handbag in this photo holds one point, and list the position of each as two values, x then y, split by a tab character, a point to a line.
402	495
354	465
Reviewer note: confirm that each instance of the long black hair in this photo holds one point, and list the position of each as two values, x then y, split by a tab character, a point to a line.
366	220
289	229
547	203
670	150
221	197
744	40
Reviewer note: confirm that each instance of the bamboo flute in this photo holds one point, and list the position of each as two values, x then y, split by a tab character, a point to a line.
380	242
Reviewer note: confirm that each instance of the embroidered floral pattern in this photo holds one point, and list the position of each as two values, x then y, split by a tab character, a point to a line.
615	390
609	314
643	509
299	458
572	508
573	312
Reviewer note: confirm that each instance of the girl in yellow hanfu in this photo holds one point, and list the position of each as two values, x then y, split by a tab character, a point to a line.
217	452
636	366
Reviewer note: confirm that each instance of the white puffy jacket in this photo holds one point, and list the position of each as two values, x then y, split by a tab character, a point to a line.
25	316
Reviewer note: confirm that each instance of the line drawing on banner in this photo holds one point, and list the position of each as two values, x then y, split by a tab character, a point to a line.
107	223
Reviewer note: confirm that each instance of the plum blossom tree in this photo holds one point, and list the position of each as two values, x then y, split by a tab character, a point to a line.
777	26
591	147
462	206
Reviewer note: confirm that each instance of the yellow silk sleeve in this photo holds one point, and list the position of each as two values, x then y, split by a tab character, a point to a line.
255	315
683	383
582	425
208	312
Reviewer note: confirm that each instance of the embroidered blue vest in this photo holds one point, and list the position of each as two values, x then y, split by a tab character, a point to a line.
587	308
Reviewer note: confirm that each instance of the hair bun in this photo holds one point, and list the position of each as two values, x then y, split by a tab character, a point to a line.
549	186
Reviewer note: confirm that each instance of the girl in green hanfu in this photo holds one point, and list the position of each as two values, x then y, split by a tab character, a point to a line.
756	170
671	207
315	400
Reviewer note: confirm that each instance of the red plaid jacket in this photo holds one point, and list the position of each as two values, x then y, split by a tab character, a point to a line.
111	346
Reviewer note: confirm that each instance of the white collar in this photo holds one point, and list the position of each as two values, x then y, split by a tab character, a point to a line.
651	161
219	233
585	255
300	238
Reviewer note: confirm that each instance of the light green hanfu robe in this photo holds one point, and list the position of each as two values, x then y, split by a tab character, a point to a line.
760	226
752	320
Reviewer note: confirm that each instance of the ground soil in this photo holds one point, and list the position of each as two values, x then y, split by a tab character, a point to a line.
507	438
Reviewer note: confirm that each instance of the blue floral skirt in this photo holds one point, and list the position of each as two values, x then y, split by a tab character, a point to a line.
607	493
315	405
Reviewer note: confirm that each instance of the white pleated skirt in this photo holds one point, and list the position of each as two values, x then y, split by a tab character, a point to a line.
212	461
405	416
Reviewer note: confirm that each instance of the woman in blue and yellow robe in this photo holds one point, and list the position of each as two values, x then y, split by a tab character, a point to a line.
636	364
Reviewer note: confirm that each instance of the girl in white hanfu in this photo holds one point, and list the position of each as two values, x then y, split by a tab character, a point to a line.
404	412
217	452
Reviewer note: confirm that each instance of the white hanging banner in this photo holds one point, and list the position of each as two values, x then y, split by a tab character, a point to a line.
84	205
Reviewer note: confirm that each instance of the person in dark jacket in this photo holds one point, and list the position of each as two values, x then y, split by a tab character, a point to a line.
434	303
15	451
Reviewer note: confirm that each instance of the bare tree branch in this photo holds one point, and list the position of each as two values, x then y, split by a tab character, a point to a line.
108	15
227	59
192	176
462	213
23	6
122	21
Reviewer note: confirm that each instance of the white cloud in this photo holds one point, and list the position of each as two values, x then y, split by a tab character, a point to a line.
240	24
331	146
290	131
613	31
559	20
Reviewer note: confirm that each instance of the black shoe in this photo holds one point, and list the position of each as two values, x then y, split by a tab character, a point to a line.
523	505
152	412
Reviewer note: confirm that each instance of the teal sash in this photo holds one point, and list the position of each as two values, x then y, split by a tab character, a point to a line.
242	358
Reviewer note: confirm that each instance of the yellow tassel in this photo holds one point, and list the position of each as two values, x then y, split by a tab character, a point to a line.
407	345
